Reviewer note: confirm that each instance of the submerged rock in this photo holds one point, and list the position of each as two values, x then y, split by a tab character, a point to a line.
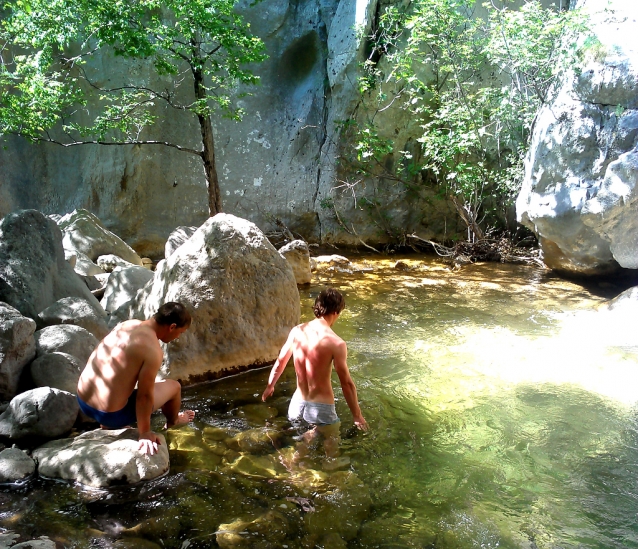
265	532
15	465
102	458
258	466
42	412
255	440
17	348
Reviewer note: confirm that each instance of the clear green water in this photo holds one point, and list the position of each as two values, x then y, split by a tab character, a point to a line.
502	414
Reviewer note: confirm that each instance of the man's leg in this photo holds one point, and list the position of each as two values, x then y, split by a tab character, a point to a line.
168	397
331	438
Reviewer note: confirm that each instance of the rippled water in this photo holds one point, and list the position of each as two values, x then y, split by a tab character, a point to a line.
502	414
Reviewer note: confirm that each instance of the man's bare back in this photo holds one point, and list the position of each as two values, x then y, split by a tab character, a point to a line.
118	359
128	356
314	348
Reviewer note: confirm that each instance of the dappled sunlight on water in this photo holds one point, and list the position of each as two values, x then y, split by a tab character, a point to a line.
502	412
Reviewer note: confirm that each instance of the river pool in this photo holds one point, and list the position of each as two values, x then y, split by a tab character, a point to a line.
502	413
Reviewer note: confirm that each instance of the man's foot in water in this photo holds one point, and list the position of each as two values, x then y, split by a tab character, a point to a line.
183	417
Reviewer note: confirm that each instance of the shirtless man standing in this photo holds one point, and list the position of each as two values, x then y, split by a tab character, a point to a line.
314	347
130	355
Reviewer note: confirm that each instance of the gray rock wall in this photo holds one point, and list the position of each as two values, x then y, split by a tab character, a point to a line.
580	193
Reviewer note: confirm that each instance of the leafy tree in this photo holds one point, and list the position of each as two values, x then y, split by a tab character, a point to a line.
50	90
474	86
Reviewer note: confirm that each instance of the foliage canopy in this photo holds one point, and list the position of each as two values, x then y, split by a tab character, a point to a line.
474	86
53	87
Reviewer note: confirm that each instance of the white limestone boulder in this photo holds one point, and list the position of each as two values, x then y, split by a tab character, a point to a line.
57	370
15	466
33	271
84	233
81	263
297	254
17	348
241	292
123	285
580	190
66	338
42	412
177	238
101	458
109	262
76	311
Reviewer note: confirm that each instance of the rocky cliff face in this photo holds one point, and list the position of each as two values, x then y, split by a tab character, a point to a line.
580	193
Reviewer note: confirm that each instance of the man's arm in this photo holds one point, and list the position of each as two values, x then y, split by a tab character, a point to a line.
145	399
347	385
280	365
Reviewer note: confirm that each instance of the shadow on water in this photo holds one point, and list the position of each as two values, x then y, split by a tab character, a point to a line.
494	423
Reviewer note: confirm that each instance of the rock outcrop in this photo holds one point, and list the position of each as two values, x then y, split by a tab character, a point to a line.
580	193
75	311
241	292
84	233
17	348
42	412
101	458
65	338
177	238
33	271
123	285
298	255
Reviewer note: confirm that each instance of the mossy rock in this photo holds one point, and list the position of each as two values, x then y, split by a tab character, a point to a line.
269	531
259	466
255	440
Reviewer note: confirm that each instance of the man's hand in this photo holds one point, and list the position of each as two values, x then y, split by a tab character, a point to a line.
269	391
149	443
361	423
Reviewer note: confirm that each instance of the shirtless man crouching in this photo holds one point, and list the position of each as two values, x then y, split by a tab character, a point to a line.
314	348
130	355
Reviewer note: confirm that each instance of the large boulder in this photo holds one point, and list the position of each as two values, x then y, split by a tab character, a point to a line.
580	192
57	370
84	233
41	412
65	338
15	466
297	254
241	292
17	348
33	271
101	458
123	285
177	238
76	311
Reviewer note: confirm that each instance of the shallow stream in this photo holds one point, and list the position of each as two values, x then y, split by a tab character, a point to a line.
502	413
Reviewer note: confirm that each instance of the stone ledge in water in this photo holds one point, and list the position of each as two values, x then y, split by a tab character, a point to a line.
102	458
7	539
15	466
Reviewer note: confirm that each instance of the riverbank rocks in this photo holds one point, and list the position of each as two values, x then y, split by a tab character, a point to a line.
75	311
177	238
57	370
325	262
33	271
7	539
15	466
242	294
108	263
85	234
66	338
123	285
580	191
41	412
17	348
101	458
297	254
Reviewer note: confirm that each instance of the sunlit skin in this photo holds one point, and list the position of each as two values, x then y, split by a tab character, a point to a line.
130	355
314	348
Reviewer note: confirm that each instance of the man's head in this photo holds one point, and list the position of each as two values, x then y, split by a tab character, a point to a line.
173	319
328	302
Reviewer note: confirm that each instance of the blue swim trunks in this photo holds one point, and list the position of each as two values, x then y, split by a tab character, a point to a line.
113	420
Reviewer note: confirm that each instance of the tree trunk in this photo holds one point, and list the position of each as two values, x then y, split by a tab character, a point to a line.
468	218
208	152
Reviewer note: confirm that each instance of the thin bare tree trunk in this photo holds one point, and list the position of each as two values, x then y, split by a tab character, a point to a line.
208	152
